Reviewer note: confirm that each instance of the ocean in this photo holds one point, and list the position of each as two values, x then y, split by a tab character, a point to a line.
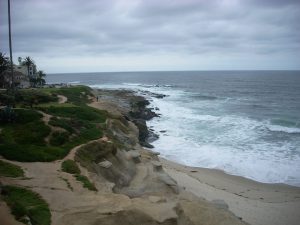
245	123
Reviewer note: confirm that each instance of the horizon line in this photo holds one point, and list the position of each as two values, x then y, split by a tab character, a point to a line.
150	71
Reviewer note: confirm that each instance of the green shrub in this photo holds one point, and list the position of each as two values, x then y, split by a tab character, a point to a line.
10	170
70	166
27	115
80	113
76	94
32	133
31	153
34	97
63	123
59	138
7	99
26	202
85	182
7	115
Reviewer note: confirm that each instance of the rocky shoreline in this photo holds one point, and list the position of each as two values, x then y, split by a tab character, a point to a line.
135	109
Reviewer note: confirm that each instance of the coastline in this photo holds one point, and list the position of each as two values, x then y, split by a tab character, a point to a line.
254	202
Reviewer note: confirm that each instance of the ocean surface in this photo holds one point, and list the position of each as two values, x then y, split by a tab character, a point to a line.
245	123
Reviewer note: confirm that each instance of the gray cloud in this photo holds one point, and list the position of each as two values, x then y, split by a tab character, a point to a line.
231	29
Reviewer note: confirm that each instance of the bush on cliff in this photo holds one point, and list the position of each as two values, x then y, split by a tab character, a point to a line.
10	170
59	138
24	202
70	166
85	182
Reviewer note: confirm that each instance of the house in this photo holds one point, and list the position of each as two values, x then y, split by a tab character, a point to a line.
25	75
20	79
28	71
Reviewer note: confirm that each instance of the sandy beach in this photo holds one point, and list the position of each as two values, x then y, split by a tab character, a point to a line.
257	203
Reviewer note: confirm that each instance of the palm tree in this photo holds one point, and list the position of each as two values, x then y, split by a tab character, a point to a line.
28	62
40	78
4	62
10	46
4	65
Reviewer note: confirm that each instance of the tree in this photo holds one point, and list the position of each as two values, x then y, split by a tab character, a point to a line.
4	66
41	78
10	47
28	62
38	80
20	60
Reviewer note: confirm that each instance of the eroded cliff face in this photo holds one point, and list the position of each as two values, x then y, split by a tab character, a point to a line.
152	196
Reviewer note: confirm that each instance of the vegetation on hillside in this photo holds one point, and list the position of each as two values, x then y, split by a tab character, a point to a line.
10	170
4	65
25	203
26	137
70	166
85	182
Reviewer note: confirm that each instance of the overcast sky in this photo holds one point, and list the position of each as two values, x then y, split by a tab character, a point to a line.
141	35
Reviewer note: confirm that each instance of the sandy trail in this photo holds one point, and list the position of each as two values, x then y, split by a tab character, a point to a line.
62	99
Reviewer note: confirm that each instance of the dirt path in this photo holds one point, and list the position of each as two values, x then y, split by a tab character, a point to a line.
62	99
46	118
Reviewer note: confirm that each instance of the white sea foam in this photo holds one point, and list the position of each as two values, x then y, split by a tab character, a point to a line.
278	128
197	133
227	142
74	82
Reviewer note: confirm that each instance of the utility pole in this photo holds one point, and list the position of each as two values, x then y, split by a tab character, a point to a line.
10	48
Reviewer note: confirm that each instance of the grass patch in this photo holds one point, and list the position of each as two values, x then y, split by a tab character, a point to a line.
70	166
24	202
82	113
24	140
67	124
59	138
54	104
85	182
29	97
24	116
28	129
30	133
10	170
31	153
76	94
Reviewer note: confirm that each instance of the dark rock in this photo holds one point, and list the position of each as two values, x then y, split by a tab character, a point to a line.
152	136
143	129
147	145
